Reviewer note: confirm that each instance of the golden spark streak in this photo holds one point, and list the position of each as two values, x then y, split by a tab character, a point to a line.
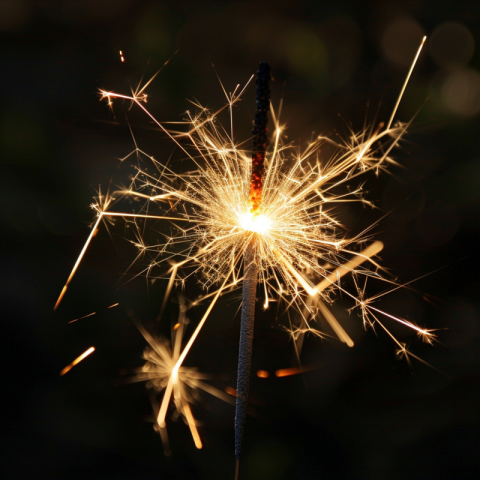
350	266
77	360
337	328
94	232
77	263
406	83
192	425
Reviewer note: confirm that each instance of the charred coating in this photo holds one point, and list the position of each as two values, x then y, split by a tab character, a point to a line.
260	136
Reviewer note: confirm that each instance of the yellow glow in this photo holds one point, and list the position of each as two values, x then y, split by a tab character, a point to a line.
255	223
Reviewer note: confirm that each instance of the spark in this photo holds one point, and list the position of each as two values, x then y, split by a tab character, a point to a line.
91	314
77	360
406	81
81	318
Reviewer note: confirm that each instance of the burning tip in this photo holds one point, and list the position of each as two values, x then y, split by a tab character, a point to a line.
262	374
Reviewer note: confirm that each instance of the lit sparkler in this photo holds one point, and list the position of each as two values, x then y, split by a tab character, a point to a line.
259	226
299	252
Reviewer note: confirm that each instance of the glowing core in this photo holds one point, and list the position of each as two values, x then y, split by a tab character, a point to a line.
255	223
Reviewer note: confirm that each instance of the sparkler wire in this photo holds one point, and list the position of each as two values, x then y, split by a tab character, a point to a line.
250	262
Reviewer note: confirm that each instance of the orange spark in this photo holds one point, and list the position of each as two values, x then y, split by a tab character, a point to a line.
85	316
263	374
231	391
286	372
77	360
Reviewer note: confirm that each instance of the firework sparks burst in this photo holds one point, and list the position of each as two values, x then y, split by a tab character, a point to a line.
301	250
161	356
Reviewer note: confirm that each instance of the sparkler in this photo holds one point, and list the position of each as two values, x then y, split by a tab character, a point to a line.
280	232
250	263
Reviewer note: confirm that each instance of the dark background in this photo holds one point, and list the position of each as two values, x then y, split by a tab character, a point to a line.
363	413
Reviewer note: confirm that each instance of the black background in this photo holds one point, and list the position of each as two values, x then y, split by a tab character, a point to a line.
363	413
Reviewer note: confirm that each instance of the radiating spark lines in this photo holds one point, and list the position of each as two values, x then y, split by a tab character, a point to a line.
162	360
300	248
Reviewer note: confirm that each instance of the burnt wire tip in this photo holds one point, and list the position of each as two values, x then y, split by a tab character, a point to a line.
260	135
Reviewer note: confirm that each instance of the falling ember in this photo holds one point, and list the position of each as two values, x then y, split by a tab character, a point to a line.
77	360
81	318
262	374
93	313
286	372
121	56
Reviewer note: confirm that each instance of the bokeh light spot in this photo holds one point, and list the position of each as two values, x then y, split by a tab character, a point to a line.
452	45
461	92
14	14
401	40
307	54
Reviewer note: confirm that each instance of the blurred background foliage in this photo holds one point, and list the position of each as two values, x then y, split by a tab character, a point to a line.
361	414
